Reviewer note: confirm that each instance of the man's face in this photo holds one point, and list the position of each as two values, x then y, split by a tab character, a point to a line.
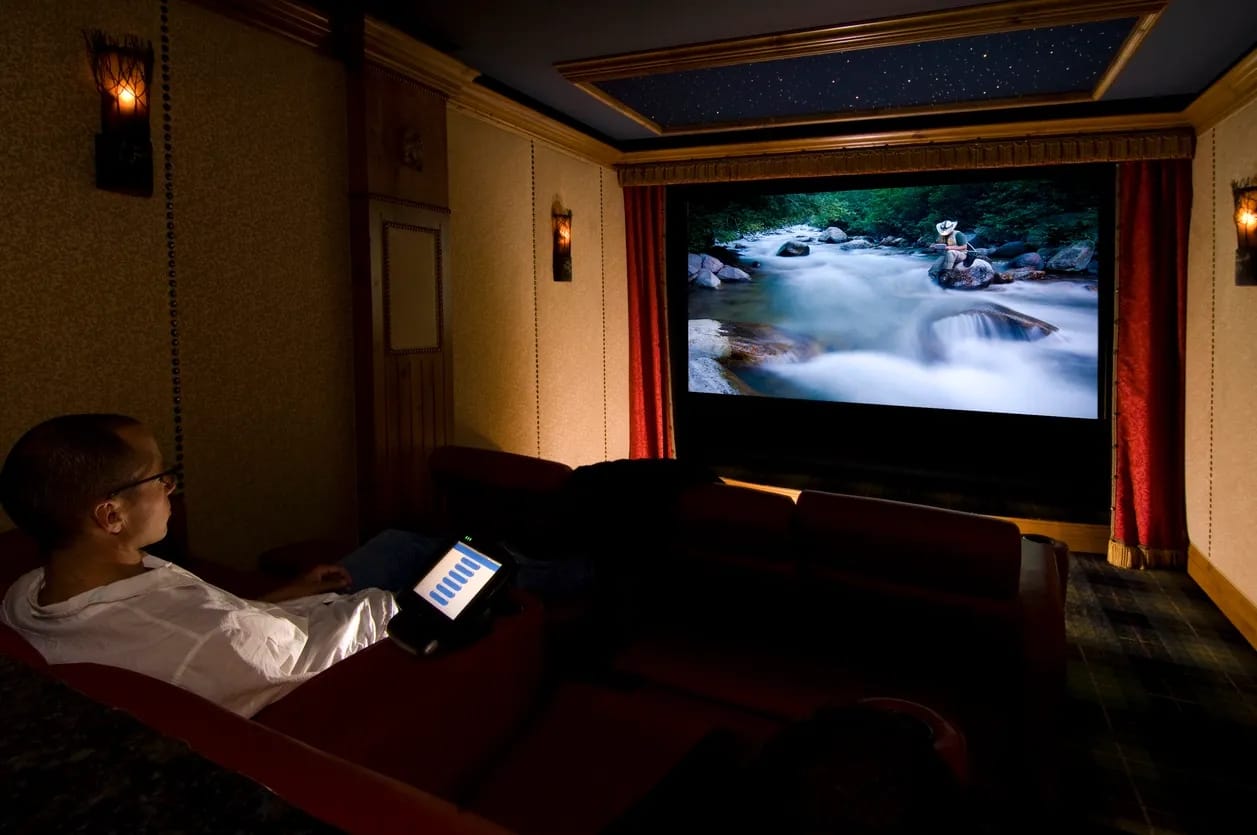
146	506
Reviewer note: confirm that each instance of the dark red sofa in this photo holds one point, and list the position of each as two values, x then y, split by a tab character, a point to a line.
750	598
592	700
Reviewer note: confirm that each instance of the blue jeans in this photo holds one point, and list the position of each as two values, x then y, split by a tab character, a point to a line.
392	560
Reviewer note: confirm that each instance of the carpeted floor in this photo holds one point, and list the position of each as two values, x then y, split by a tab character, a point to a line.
1161	708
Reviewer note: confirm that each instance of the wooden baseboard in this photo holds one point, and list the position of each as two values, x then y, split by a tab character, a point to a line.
1238	609
1081	538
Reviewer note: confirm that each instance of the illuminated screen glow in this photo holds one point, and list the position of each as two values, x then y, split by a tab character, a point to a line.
844	296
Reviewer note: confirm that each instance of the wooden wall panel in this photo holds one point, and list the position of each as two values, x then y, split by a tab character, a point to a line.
405	130
408	373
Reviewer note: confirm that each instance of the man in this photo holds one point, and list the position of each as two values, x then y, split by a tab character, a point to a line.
955	245
94	491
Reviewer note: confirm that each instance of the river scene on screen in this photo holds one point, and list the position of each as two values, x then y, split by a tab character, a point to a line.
852	297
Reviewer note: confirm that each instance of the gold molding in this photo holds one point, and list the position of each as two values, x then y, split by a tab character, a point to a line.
401	54
1125	52
510	115
394	50
897	31
832	118
1238	609
930	26
294	21
878	139
913	154
1234	90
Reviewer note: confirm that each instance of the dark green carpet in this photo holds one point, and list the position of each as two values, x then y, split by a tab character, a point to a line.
1161	712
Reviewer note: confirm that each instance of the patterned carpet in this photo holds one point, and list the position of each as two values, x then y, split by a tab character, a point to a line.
1161	707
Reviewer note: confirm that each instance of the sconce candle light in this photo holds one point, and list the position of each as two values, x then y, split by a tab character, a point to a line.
562	243
1245	231
124	150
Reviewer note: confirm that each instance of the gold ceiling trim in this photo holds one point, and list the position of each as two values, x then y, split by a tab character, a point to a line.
868	115
394	50
1170	122
964	22
507	114
931	26
294	21
1237	88
1066	148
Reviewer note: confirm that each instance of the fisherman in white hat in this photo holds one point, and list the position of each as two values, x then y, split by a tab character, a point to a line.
955	244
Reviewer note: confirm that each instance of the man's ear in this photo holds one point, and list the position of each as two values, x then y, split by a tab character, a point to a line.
107	516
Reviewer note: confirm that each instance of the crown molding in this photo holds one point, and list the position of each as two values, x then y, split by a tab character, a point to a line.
890	138
1233	91
940	25
915	153
294	21
510	115
947	24
394	50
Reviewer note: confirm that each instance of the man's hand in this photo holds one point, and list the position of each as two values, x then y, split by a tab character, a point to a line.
320	579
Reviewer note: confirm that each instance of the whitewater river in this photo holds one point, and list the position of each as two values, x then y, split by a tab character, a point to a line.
890	335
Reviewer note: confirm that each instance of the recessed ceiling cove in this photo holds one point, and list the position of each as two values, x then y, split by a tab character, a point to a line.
1015	54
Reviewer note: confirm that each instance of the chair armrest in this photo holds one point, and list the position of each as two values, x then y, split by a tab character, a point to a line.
340	793
432	722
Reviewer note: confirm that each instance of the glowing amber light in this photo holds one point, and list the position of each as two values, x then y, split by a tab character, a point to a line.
126	98
1246	218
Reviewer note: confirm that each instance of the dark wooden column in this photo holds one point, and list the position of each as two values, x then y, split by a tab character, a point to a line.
399	249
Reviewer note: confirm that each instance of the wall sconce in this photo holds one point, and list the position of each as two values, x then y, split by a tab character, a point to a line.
1245	193
124	152
562	243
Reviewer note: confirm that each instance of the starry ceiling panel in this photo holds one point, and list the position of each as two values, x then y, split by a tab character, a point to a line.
1029	65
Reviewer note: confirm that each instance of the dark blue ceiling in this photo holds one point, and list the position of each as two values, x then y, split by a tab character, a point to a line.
515	44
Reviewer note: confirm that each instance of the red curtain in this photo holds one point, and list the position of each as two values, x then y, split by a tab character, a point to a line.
650	401
1149	505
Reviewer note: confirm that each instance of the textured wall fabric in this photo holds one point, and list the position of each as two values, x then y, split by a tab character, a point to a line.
1221	357
264	287
260	175
540	367
83	318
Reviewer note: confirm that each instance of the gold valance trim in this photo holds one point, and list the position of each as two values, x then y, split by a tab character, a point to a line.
1118	147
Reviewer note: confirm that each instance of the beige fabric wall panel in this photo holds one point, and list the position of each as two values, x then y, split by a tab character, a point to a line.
1235	372
491	275
84	324
572	381
264	288
1199	359
616	301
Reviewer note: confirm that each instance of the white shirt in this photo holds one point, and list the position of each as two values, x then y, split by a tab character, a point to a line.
170	624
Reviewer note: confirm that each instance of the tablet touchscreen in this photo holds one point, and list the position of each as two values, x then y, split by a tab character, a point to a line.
457	579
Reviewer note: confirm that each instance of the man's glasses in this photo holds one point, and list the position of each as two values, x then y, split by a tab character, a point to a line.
166	477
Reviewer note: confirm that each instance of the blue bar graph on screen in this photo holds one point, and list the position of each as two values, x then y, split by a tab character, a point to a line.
464	577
